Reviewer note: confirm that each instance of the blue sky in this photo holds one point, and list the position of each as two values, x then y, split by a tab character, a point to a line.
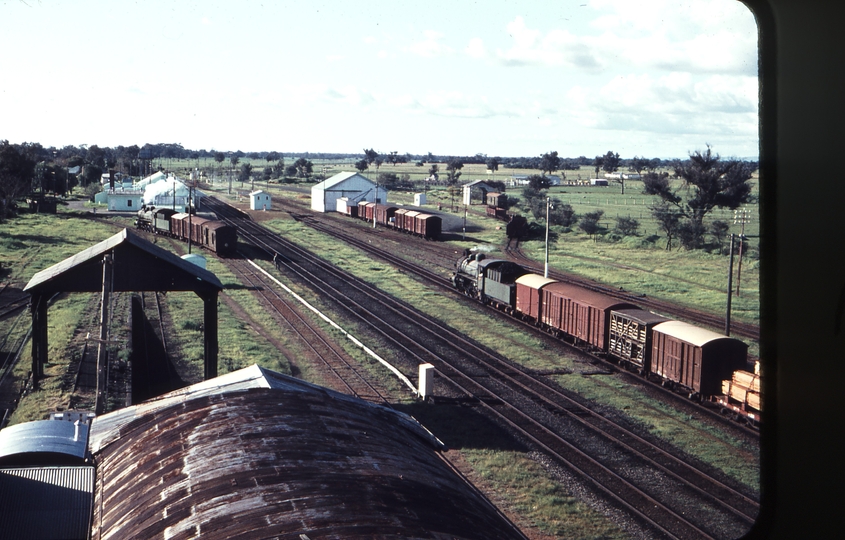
509	78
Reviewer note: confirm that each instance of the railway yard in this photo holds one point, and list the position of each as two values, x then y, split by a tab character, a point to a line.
628	455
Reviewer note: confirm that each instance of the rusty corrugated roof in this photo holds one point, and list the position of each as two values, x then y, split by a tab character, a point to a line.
264	455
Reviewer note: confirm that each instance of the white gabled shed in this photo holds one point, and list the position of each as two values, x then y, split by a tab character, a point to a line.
353	186
260	200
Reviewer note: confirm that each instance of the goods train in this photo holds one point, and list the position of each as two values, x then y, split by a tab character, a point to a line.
420	224
211	234
698	362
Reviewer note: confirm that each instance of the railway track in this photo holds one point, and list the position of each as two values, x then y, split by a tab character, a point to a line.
658	488
319	350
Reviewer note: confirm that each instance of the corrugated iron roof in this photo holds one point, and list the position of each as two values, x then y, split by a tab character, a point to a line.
56	440
124	237
279	459
46	502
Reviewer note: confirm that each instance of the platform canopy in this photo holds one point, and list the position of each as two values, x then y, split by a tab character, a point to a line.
139	265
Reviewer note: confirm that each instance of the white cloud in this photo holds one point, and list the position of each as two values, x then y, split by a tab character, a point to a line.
431	46
335	57
638	35
475	48
674	103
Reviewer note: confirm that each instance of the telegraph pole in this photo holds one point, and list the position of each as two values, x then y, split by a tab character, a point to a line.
546	267
730	289
742	217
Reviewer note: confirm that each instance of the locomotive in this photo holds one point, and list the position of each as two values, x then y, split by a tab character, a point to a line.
690	359
211	234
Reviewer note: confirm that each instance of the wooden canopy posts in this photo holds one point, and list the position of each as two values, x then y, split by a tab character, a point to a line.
136	265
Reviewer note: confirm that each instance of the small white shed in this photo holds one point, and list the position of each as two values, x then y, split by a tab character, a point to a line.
260	200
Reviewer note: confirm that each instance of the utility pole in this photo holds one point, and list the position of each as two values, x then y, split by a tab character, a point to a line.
730	289
102	350
546	266
742	217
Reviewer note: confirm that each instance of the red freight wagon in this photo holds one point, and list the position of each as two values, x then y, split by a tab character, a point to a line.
399	218
179	225
219	237
584	315
410	221
384	213
695	358
427	225
366	210
528	296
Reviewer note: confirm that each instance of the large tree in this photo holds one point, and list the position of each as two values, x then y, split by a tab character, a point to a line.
16	173
453	171
610	163
304	167
709	182
493	164
549	162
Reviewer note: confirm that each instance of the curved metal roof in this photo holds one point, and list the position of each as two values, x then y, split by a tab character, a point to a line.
291	459
691	333
535	281
44	442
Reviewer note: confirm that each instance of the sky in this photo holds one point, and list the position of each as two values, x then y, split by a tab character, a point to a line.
652	78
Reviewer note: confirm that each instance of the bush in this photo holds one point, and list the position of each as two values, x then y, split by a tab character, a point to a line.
627	226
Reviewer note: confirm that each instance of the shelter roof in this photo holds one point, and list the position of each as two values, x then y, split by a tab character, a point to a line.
339	178
139	265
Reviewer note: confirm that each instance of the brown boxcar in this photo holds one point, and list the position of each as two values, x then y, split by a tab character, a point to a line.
579	313
528	297
179	225
365	210
220	238
630	336
399	218
409	224
384	213
694	358
427	225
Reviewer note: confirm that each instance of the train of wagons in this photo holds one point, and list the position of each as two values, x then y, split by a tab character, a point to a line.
701	363
428	226
211	234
